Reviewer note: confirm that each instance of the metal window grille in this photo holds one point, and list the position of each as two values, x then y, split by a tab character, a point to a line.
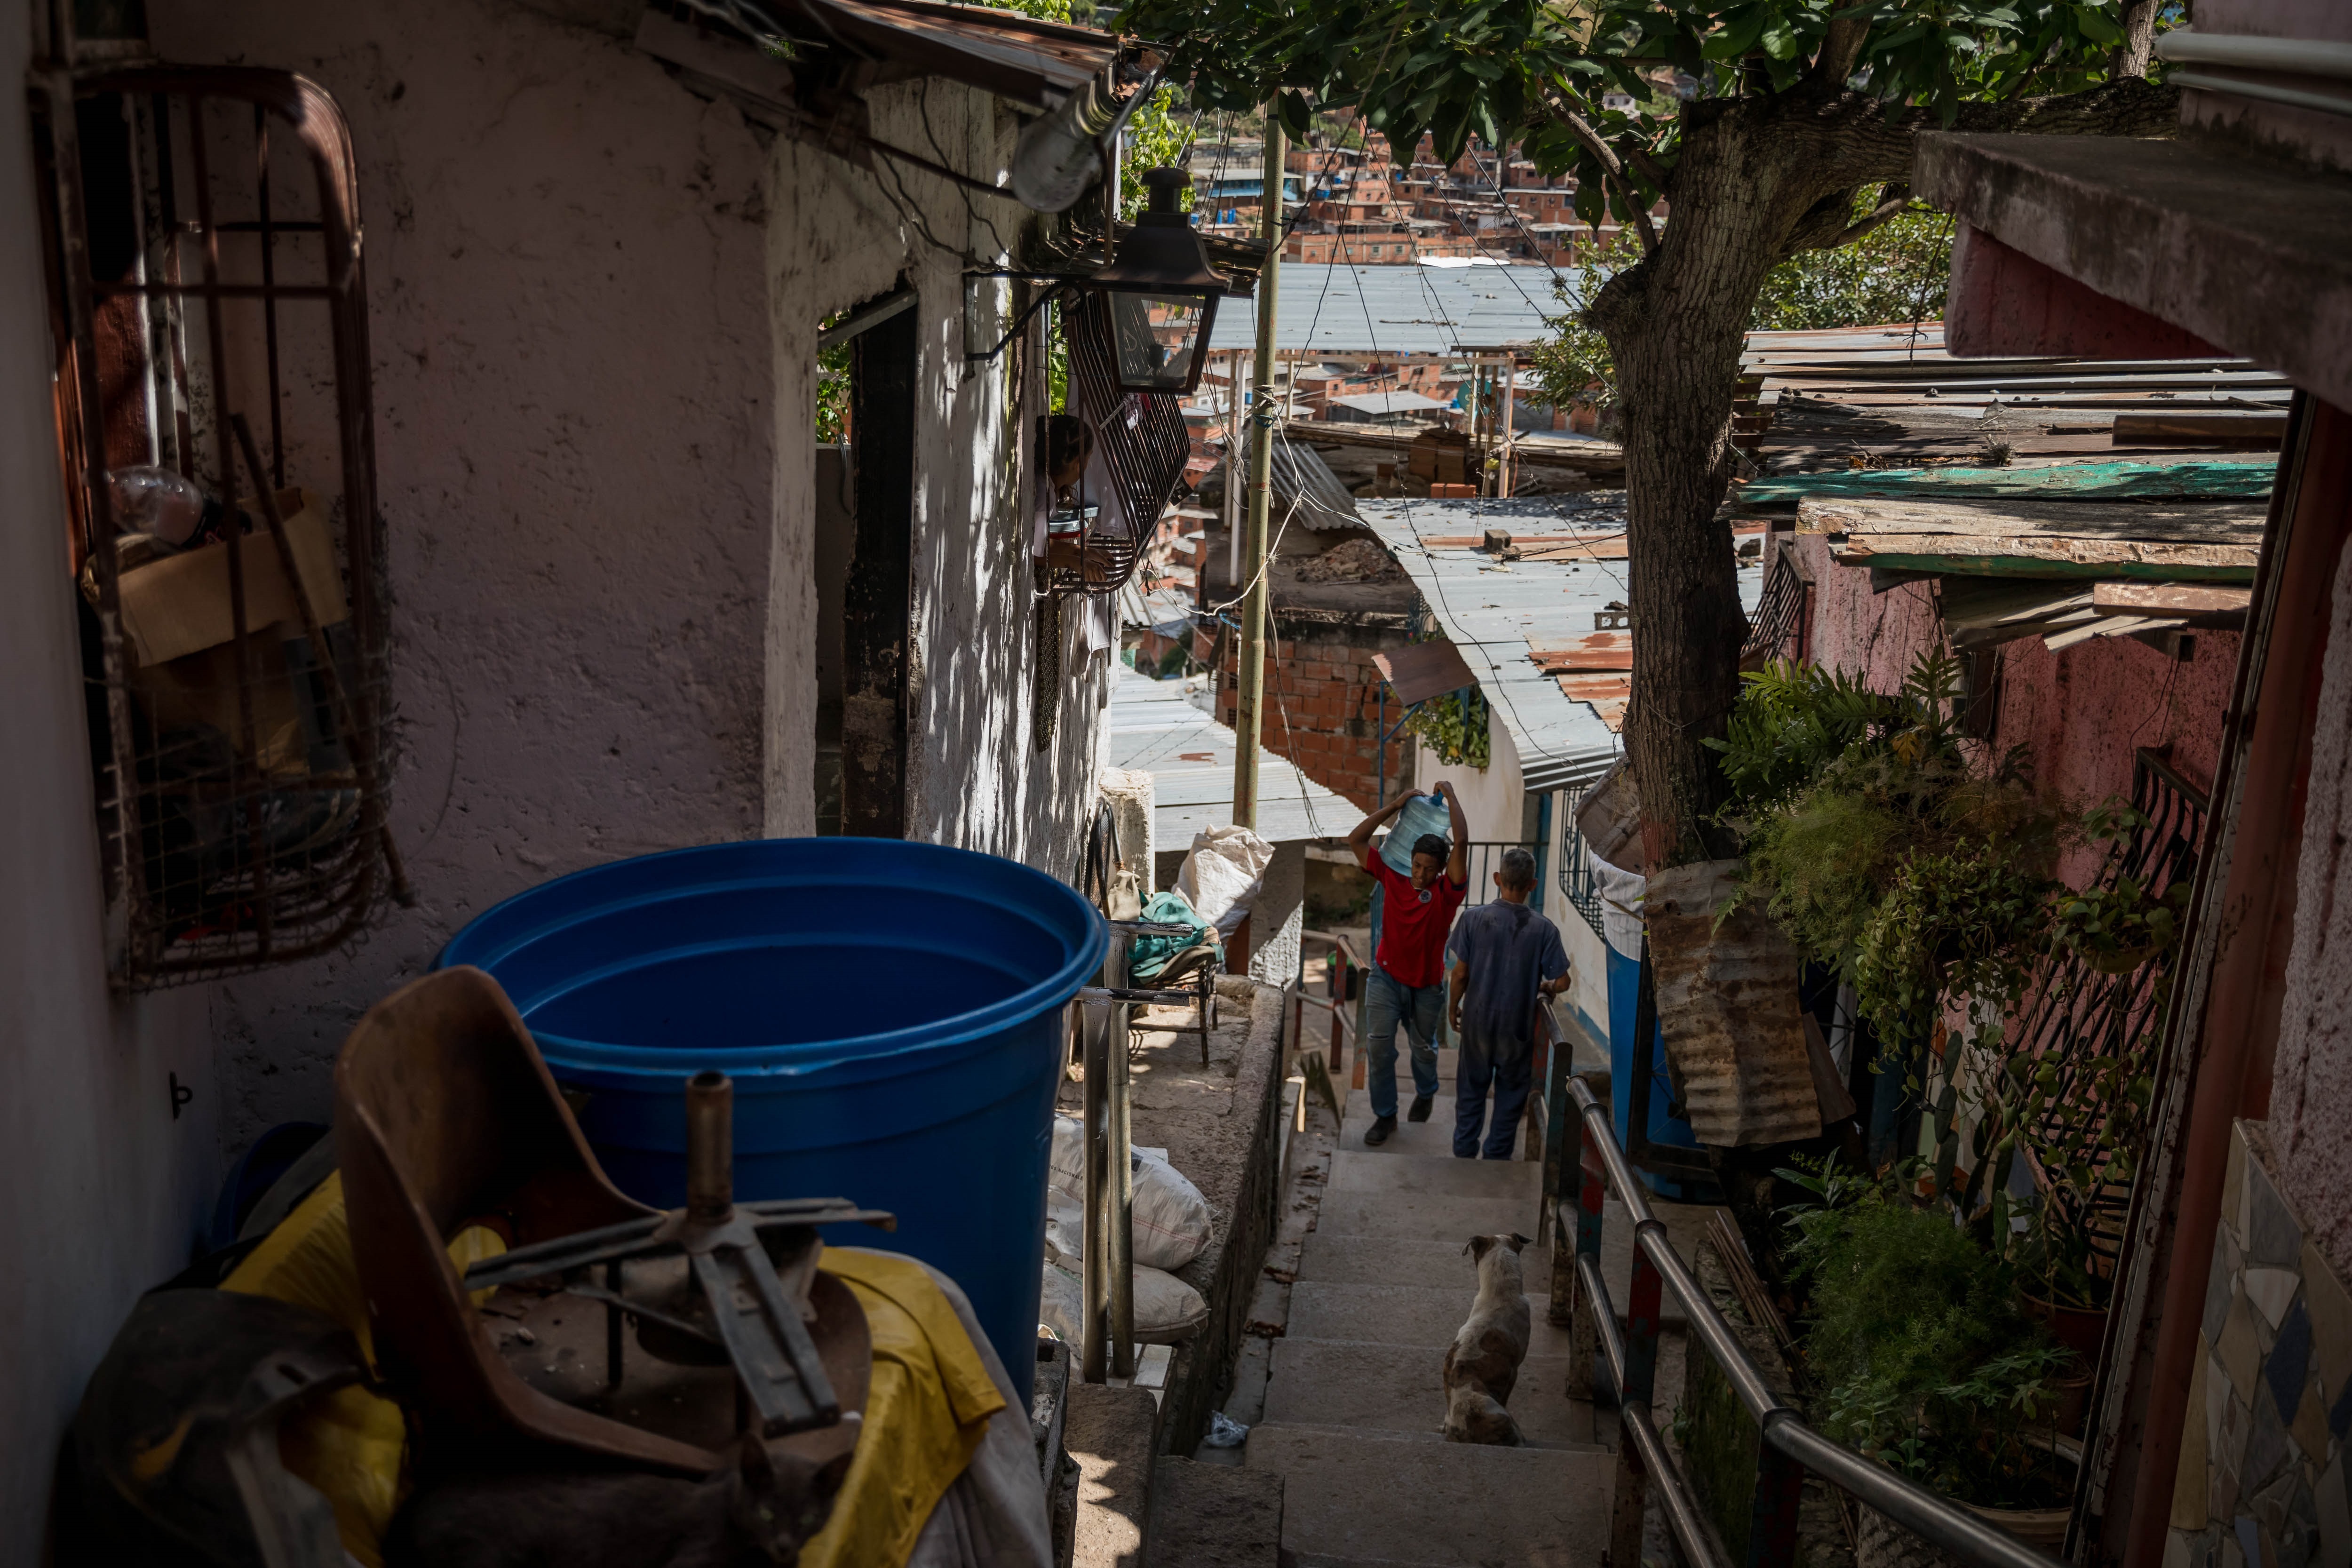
1144	444
1780	613
210	314
1578	882
2080	1013
1485	858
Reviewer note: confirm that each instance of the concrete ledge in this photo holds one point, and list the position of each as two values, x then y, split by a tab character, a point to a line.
1232	1152
2253	256
1111	1433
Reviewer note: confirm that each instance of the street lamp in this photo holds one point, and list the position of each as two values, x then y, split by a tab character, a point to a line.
1160	294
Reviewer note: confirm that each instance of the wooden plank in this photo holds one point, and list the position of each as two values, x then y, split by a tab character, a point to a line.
2138	429
2169	598
2206	522
2215	479
2042	557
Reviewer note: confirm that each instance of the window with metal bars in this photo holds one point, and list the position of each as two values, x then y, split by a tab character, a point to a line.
1776	630
210	326
2080	1016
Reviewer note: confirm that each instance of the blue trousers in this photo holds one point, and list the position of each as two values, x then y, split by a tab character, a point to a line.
1388	1002
1506	1065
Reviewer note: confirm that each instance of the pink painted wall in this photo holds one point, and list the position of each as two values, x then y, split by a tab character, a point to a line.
2081	712
2311	1078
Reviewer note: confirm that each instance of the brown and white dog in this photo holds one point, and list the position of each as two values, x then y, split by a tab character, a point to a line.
1483	1364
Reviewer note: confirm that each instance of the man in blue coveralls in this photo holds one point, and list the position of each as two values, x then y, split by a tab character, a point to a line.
1504	955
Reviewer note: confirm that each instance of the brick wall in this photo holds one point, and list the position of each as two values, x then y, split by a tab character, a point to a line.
1320	676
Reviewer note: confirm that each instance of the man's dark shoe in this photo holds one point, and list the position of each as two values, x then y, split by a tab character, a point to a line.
1420	1111
1377	1133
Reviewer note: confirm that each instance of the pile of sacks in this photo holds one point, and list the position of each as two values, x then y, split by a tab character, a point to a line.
1170	1227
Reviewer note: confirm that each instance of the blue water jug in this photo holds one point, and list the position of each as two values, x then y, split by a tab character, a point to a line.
1426	814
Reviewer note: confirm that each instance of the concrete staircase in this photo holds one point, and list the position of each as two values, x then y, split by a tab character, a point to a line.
1355	1400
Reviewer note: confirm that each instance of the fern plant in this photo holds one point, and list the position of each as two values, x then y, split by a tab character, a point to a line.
1917	1345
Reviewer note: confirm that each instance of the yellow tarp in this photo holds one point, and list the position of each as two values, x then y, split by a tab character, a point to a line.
349	1445
926	1412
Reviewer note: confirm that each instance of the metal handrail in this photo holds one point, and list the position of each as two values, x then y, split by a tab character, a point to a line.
1789	1448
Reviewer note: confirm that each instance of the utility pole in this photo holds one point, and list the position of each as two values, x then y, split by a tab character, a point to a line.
1249	682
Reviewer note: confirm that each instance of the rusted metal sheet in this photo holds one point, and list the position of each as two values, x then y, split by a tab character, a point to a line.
1420	671
1592	651
1728	1008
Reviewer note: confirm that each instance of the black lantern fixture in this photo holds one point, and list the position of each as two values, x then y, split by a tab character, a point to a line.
1160	294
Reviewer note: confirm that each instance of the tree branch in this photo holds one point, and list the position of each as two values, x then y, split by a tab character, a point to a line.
1643	229
1841	47
1892	201
2131	56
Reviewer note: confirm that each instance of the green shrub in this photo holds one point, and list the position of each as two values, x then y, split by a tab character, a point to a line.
1919	1350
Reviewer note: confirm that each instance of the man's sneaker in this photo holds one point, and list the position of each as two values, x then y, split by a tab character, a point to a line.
1377	1133
1420	1111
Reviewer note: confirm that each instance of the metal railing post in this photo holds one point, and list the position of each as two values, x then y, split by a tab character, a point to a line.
1772	1516
1094	1023
1631	1499
1119	1156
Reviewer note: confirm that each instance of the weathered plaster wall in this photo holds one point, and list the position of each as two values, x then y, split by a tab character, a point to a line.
107	1191
1493	797
2080	712
2311	1080
837	238
573	431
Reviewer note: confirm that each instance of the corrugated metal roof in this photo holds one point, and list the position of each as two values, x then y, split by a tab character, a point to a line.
1190	756
1396	310
1497	612
1390	402
1299	476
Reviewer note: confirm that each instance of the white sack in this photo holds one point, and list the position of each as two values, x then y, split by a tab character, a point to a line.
1222	876
1167	1311
1169	1219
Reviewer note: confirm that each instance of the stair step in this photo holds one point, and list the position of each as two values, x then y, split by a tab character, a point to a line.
1346	1259
1214	1516
1446	1175
1401	1389
1401	1315
1354	1496
1426	1216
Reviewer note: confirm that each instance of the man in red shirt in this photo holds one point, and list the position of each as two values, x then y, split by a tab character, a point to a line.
1407	985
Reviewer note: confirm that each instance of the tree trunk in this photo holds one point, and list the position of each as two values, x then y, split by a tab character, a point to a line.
1676	325
1756	181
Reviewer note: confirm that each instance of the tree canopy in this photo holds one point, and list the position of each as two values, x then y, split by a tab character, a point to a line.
1598	87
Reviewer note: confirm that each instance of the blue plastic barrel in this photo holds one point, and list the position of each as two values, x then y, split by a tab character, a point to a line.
890	1014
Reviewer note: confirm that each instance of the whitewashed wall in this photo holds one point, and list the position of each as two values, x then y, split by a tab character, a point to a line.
106	1190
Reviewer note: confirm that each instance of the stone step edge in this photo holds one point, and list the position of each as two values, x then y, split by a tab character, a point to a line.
1395	1435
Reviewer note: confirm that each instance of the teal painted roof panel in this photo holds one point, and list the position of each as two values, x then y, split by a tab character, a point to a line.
2218	480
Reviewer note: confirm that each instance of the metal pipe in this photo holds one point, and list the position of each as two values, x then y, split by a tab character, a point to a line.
1972	1540
710	1147
1675	1498
1094	1271
2269	92
1119	1155
2295	57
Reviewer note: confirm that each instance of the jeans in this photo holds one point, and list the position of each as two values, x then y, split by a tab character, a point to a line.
1508	1066
1388	1002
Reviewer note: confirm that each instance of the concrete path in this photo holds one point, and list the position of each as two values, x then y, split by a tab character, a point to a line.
1355	1403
